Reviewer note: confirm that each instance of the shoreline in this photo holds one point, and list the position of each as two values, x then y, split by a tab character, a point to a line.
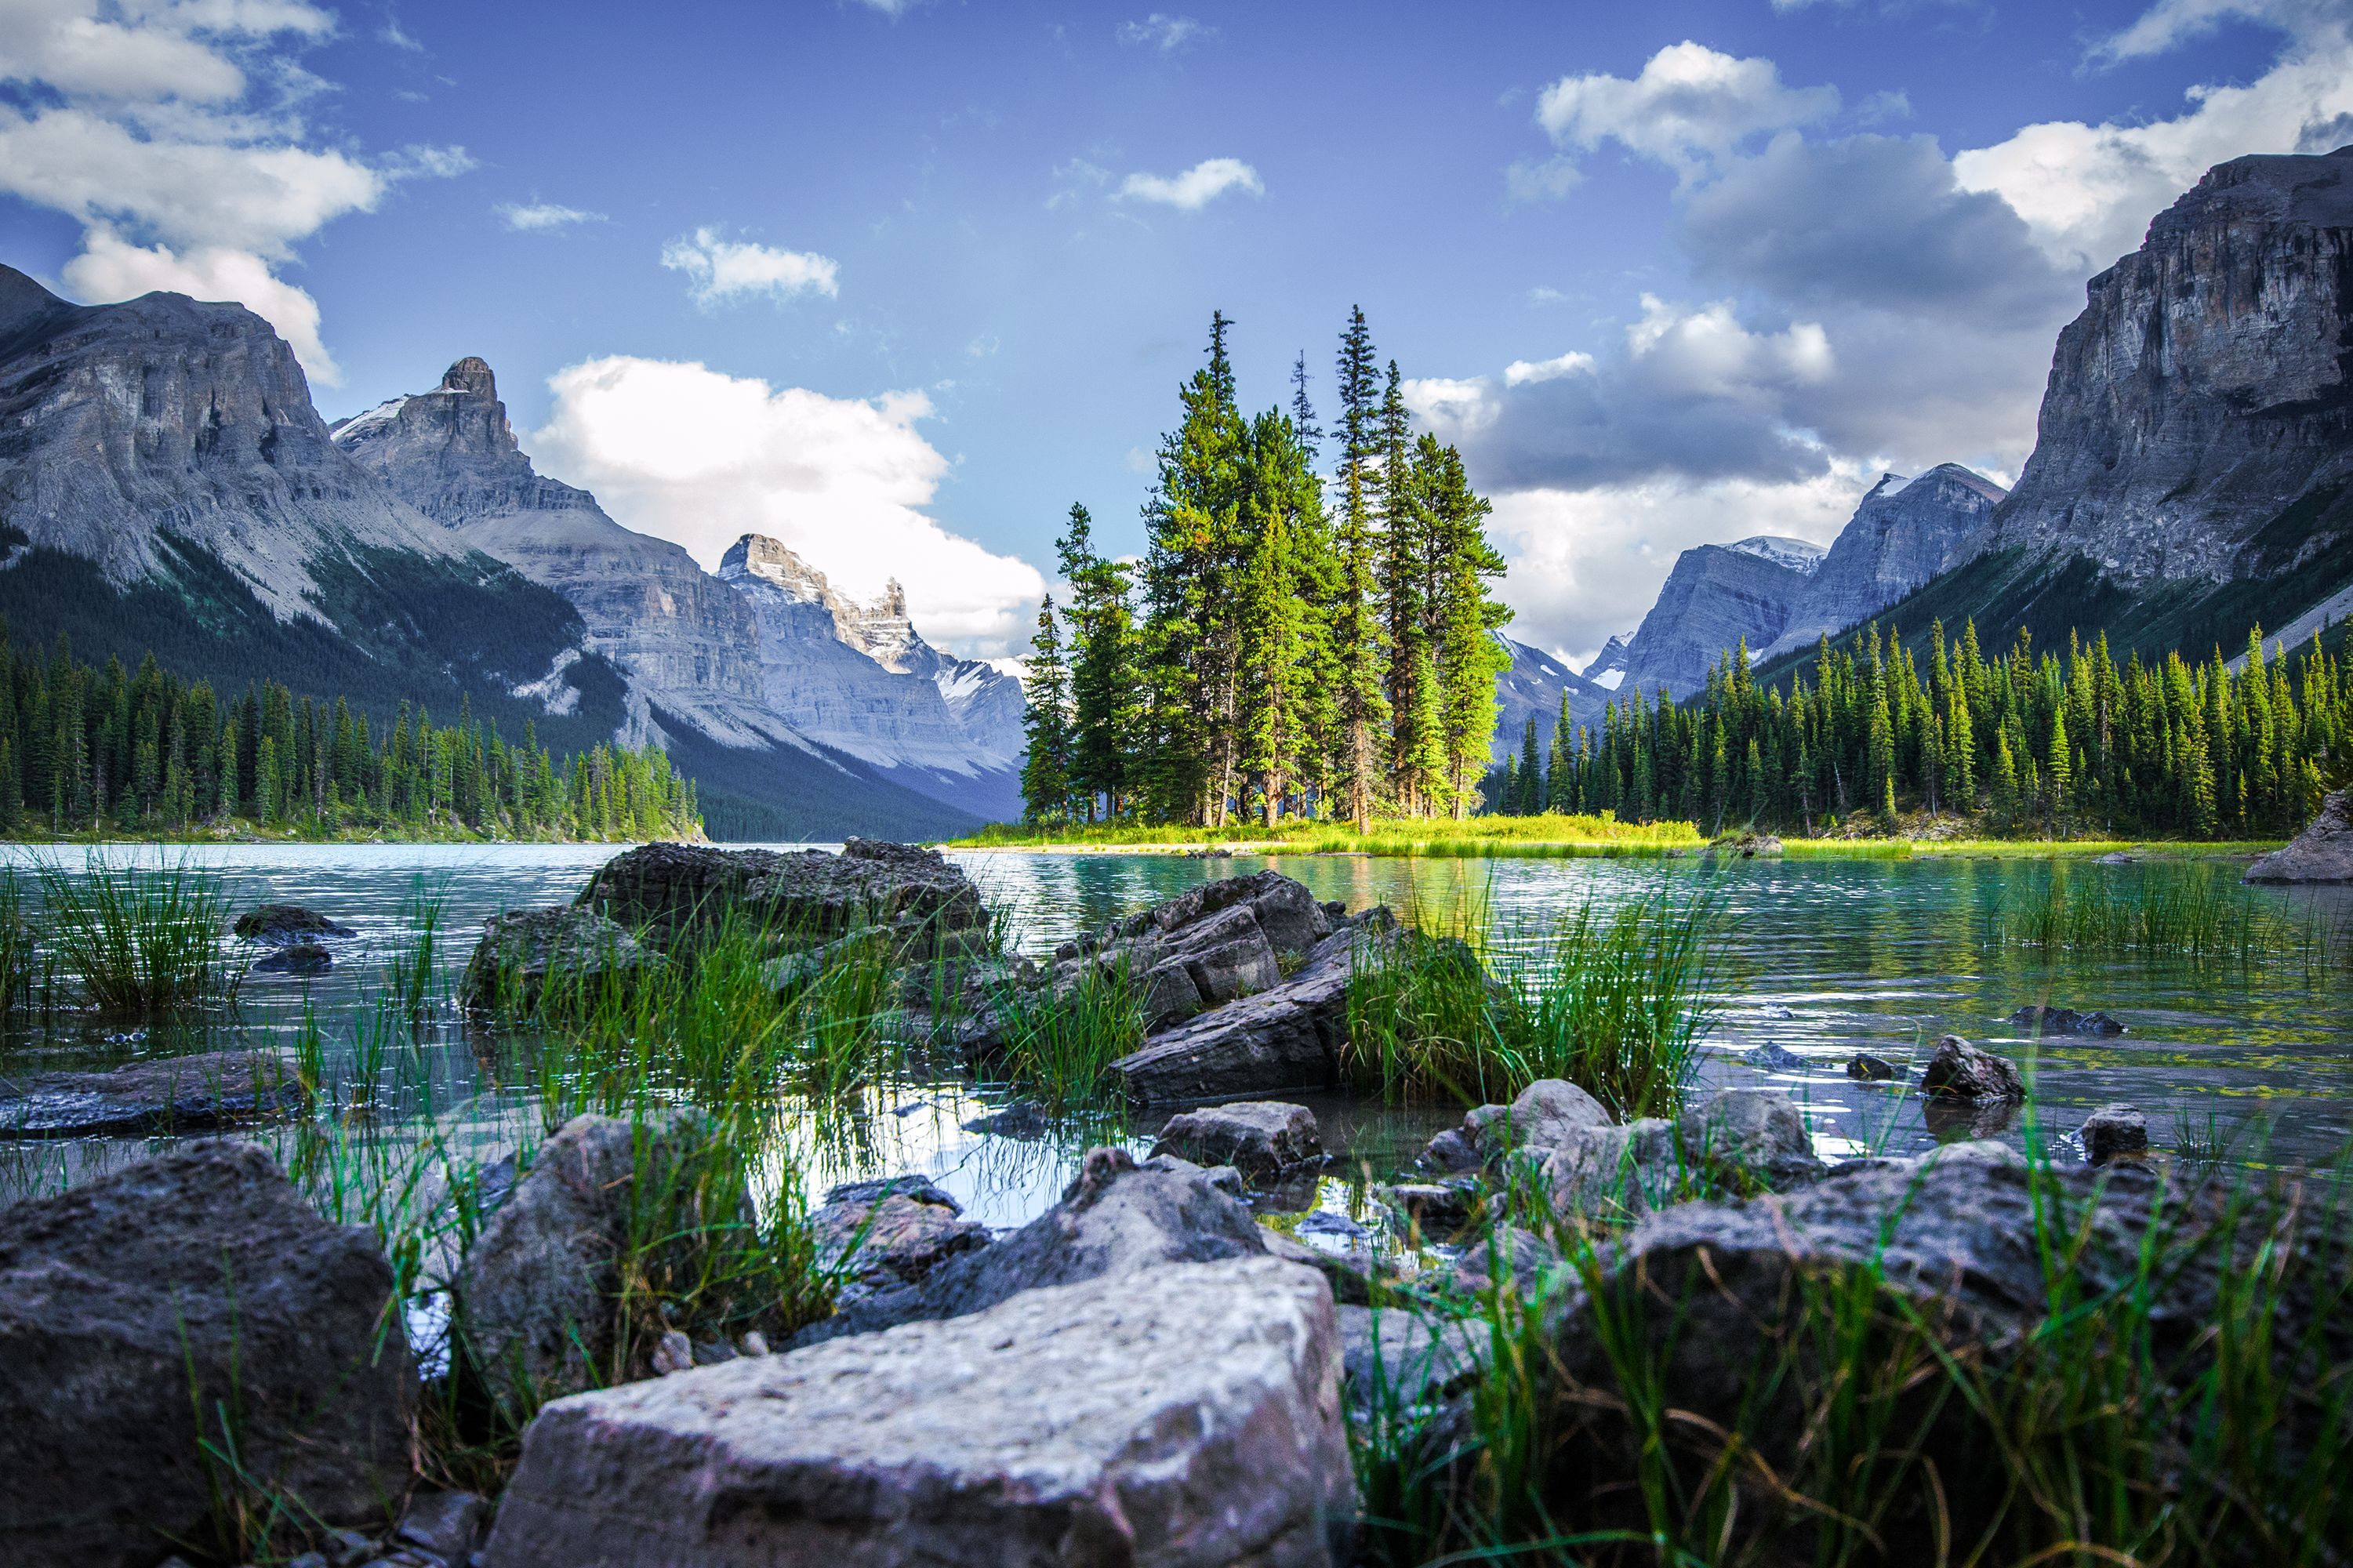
1603	849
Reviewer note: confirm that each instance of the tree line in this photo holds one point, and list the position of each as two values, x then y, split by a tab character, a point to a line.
84	748
2029	744
1292	643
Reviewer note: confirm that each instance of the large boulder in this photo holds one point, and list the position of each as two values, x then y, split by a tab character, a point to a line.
521	950
170	1094
1545	1115
1749	1137
284	925
188	1290
1959	1070
1191	1424
1203	948
888	1234
1286	1037
1613	1172
1259	1138
675	893
1117	1218
2323	852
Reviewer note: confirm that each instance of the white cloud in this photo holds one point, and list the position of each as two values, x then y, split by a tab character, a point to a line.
1707	353
1521	372
1542	179
720	269
1166	33
1689	103
1196	187
1455	406
169	129
536	218
2169	24
701	458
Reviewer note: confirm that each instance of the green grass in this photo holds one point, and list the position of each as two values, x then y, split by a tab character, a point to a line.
1549	834
1061	1044
141	944
2179	914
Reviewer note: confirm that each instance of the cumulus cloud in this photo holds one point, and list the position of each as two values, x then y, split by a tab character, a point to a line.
1521	372
719	270
692	455
539	218
169	129
1166	33
1691	103
1196	187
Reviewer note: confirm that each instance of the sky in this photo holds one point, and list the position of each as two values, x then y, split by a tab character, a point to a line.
899	281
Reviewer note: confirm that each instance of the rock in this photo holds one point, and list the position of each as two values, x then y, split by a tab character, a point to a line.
1545	1115
1024	1119
1905	531
1203	948
1752	1134
1948	1116
297	958
132	1302
283	925
1867	1068
2051	1020
1771	1056
885	1235
1436	1209
1959	1071
1259	1138
673	1353
1288	1037
2115	857
1506	1256
2323	852
1195	1423
521	951
1451	1152
1613	1172
1716	597
169	1094
447	1524
2114	1132
1747	846
1396	1360
535	1295
675	893
1117	1218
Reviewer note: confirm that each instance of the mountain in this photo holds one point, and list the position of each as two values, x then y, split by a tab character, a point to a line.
2194	453
1905	531
1717	595
1531	688
860	680
1608	669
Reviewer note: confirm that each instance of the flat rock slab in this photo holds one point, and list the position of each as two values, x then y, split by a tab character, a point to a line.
1259	1138
1194	1422
171	1094
2323	852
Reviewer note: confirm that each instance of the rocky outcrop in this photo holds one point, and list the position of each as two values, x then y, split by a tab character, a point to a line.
142	1306
169	1095
1959	1071
2114	1132
860	680
2045	1019
1905	532
283	925
521	951
672	893
2323	852
2197	430
1117	1218
1717	596
1194	1423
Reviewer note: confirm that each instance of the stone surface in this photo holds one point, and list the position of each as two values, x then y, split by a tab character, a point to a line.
1117	1218
203	1263
1204	948
1190	1424
297	958
519	951
1392	1359
2323	852
447	1524
1905	531
1544	1115
887	1236
1612	1173
1959	1071
674	892
1287	1037
1348	1268
1437	1208
1507	1256
170	1094
2049	1020
1868	1069
1755	1134
1452	1152
1259	1138
2114	1132
286	924
1717	595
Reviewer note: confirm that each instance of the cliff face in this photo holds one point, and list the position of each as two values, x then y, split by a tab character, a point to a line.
1531	688
1905	532
688	643
1717	596
2198	424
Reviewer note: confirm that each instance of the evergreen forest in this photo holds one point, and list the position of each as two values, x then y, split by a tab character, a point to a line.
2021	745
1294	644
91	750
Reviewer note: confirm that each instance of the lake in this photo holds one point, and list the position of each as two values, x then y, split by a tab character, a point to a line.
1822	959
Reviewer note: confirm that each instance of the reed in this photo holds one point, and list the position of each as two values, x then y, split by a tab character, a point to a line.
1422	1023
2181	914
20	957
1061	1042
412	973
140	943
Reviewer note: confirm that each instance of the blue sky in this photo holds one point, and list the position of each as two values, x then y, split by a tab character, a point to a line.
900	282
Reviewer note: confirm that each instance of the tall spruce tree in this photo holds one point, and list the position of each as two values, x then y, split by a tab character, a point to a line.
1046	772
1356	630
1106	707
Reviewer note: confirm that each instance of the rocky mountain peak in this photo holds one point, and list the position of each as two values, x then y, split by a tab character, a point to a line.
1905	531
451	452
471	375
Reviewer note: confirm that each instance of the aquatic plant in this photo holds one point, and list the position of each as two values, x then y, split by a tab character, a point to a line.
140	941
1061	1041
411	974
2180	914
1421	1021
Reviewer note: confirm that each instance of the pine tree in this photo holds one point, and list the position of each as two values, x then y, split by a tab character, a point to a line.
1106	713
1356	631
1046	772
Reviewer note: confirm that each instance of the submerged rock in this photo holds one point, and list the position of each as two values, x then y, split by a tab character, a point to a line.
297	958
522	950
1864	1068
282	925
1117	1218
171	1094
1259	1138
2323	852
1195	1423
192	1281
2052	1020
1959	1071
